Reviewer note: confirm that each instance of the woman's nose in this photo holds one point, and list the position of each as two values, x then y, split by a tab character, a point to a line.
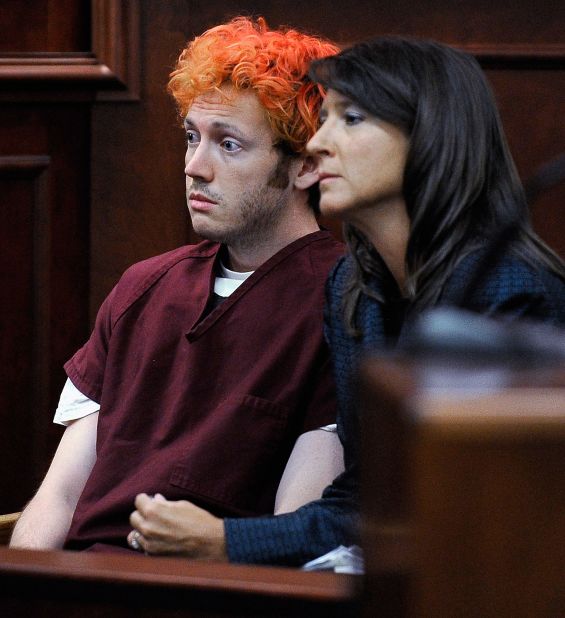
318	144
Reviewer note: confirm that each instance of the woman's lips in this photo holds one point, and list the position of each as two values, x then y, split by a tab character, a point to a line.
324	178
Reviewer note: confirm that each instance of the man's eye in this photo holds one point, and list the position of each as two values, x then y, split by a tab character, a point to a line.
191	137
230	146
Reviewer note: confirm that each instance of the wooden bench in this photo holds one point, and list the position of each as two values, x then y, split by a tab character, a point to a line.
84	585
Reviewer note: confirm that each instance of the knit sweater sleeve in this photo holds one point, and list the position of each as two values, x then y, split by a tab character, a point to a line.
295	538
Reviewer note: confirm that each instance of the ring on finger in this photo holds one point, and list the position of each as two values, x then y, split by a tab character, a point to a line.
134	541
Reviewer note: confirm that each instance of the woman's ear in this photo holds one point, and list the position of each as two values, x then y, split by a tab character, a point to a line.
308	173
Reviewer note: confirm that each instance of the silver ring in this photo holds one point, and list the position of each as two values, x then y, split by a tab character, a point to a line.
134	541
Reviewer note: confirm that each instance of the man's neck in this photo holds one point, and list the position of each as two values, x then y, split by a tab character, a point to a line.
243	258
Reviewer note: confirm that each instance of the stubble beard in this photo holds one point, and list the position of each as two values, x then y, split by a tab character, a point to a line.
260	210
259	214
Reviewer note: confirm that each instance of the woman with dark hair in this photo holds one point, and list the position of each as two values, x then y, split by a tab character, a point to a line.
413	159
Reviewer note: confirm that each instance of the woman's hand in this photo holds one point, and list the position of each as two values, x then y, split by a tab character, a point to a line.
178	527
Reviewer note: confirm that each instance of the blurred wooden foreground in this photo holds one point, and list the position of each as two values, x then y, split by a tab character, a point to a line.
463	492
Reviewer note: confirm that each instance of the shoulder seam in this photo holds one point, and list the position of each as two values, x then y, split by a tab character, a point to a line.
148	280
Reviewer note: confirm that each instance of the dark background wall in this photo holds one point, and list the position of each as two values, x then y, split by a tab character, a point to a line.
91	157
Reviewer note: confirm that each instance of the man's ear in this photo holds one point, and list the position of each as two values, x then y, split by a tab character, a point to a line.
308	173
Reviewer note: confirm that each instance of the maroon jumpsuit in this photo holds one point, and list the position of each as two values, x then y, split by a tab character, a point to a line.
203	406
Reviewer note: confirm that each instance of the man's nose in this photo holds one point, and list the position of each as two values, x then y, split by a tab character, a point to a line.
198	163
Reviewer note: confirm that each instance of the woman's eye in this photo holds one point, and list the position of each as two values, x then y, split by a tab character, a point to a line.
230	146
352	118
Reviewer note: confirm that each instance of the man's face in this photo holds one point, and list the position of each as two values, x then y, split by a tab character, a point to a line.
237	185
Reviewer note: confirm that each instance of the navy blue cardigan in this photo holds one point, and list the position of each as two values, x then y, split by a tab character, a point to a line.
512	287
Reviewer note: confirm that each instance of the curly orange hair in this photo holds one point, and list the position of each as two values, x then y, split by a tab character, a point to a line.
274	63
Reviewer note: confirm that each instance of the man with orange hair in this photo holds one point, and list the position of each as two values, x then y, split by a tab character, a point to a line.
206	378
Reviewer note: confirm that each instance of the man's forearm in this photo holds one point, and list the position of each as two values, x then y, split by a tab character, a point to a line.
47	518
42	525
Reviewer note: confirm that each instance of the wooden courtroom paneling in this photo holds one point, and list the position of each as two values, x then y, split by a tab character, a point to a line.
43	264
536	135
24	184
45	26
43	67
56	57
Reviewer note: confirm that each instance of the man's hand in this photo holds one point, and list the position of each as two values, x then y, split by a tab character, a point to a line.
178	527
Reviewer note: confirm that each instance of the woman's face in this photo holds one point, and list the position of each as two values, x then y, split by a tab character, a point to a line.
361	160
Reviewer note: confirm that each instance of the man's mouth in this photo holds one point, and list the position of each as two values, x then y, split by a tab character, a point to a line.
199	201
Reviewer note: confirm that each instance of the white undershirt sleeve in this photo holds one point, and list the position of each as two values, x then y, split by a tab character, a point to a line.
73	405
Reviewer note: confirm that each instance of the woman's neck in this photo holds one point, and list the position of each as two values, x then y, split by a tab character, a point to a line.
387	227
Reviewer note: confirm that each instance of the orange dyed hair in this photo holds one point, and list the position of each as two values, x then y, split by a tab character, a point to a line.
274	63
